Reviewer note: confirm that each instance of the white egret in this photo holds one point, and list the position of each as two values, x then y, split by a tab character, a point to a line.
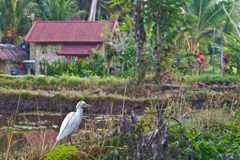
71	121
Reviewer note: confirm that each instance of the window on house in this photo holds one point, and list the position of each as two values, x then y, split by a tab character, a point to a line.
44	48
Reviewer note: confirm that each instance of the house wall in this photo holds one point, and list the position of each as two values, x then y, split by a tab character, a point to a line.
103	50
32	55
3	66
50	55
36	52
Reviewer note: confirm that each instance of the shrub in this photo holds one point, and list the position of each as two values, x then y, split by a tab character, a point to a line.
1	72
77	67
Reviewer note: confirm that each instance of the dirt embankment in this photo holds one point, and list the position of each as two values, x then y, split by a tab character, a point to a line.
103	104
9	102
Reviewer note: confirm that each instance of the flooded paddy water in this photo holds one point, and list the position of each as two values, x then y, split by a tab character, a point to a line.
33	122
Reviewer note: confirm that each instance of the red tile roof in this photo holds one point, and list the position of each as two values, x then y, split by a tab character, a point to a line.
37	19
68	31
78	49
75	18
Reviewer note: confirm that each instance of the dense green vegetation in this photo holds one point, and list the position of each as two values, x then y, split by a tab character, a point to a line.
170	38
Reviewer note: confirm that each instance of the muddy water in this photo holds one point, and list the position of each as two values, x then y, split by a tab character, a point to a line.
28	122
17	142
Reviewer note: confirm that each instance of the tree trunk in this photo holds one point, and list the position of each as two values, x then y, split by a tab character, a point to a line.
157	53
140	39
45	69
92	13
158	32
99	8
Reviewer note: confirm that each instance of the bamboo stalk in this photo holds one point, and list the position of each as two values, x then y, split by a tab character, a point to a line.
213	48
221	60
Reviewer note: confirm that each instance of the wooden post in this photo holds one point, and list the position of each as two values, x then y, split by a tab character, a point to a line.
8	68
213	48
221	60
29	71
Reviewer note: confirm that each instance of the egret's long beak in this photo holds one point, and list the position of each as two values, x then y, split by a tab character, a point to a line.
88	105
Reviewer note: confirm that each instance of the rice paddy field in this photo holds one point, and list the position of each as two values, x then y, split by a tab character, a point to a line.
170	121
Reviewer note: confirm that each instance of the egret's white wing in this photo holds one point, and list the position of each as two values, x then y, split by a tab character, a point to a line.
69	125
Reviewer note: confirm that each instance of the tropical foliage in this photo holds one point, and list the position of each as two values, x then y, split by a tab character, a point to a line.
170	29
80	67
207	15
232	53
58	10
13	19
61	152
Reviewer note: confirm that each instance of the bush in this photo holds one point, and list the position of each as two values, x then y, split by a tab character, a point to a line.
1	72
77	67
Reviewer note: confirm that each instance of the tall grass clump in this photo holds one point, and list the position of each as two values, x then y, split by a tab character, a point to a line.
4	76
41	79
28	77
53	81
74	80
111	80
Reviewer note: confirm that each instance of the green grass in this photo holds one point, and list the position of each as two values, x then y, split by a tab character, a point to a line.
209	70
210	77
58	80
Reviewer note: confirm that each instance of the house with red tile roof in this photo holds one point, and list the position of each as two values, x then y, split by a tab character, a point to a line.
73	38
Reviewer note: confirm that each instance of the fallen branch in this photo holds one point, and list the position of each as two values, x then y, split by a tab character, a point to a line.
172	86
216	86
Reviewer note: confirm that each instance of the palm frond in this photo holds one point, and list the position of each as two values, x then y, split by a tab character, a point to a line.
61	152
59	10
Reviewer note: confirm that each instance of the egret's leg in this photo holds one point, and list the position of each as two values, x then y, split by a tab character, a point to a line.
67	139
70	139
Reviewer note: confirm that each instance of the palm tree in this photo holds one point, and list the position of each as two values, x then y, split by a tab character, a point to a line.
209	15
59	10
13	20
104	8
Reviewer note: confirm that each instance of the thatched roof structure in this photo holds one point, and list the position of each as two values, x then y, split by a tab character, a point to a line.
12	53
